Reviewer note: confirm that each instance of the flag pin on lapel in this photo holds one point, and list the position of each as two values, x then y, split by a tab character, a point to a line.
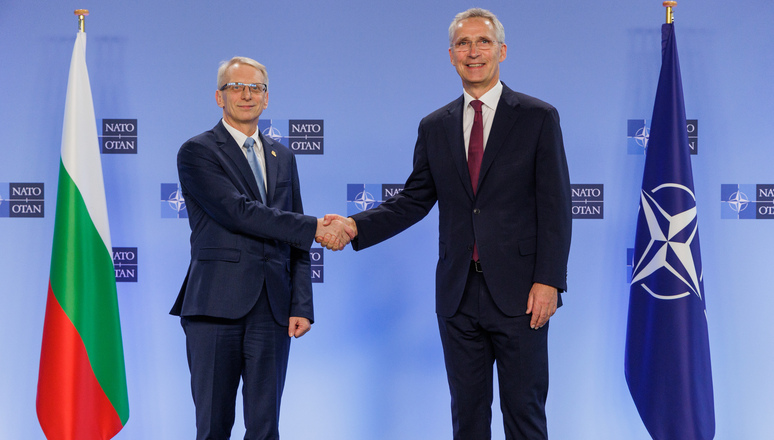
273	153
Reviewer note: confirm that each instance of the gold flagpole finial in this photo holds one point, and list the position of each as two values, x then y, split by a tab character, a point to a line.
82	13
670	17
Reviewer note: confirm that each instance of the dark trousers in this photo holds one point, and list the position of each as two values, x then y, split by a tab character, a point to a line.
220	352
473	339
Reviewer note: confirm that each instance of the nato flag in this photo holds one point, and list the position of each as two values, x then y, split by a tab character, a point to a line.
667	347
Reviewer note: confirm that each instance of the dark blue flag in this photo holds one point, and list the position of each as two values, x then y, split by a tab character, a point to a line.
667	346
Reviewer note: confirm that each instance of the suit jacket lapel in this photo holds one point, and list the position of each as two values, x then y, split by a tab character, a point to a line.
271	161
505	116
229	146
453	124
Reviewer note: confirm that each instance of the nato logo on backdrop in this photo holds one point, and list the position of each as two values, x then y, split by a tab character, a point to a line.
747	201
119	136
172	201
318	270
638	133
588	201
24	200
125	264
364	196
302	136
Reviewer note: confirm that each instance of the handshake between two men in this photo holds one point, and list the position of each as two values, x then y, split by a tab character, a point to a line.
334	232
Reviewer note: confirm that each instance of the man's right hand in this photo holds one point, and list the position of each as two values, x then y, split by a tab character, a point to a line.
334	232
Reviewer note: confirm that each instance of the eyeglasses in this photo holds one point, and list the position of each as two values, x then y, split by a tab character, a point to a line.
466	45
239	87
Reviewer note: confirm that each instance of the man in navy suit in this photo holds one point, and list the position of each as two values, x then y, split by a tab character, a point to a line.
248	289
504	237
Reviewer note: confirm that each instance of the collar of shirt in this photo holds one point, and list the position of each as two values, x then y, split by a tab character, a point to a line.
490	100
240	139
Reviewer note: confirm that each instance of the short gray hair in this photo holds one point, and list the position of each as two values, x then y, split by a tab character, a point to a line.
477	12
224	65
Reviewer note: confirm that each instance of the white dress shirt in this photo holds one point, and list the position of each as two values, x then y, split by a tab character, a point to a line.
240	139
490	100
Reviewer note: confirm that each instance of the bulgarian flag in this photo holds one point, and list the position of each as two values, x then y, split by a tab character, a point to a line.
82	381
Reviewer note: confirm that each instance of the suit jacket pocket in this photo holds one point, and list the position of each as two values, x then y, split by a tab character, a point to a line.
219	254
528	246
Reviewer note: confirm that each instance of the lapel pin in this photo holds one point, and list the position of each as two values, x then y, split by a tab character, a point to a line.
273	153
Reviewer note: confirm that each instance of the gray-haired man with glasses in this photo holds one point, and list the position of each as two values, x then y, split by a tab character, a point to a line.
494	161
248	288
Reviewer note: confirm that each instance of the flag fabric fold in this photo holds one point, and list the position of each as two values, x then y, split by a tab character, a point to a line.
82	392
667	361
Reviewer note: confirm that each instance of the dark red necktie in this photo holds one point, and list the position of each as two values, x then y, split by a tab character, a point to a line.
476	152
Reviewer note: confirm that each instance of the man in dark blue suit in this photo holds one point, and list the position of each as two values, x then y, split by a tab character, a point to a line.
504	235
248	289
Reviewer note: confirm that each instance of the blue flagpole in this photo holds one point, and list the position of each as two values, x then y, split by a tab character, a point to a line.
667	360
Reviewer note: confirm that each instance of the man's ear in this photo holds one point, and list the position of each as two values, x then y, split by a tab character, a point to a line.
219	99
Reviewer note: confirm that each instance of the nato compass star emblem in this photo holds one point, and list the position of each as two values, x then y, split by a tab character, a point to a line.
364	196
172	202
637	136
738	201
273	133
364	201
642	136
176	201
670	245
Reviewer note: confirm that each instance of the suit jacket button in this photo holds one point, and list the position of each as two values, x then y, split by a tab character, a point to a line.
476	211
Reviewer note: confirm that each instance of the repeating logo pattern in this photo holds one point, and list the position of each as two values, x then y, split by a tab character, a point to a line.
588	201
302	136
364	196
629	264
318	269
26	200
125	264
119	136
172	201
747	201
638	133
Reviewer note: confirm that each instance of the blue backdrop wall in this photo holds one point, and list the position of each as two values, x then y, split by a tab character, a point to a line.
372	366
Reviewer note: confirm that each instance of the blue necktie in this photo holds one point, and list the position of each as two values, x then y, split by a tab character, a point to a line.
255	165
